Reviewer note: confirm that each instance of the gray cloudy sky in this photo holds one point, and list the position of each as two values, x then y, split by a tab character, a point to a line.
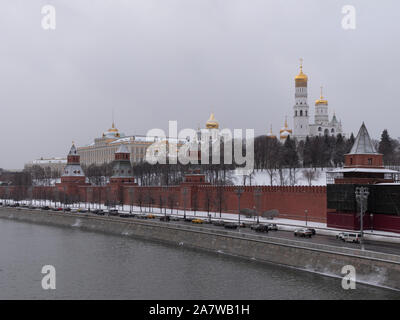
159	60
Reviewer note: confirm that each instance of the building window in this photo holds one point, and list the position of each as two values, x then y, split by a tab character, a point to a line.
319	129
351	160
301	112
370	161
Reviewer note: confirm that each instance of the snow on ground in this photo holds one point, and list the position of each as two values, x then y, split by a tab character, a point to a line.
262	178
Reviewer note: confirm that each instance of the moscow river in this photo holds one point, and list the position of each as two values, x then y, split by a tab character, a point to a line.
98	266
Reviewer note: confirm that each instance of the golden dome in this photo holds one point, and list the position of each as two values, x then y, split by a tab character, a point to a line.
285	128
113	128
321	100
212	123
270	134
301	76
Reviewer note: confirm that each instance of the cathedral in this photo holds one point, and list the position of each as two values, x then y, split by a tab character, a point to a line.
301	116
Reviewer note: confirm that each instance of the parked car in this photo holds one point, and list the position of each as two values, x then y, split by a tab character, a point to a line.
74	210
349	237
272	227
198	221
231	225
150	216
303	232
126	215
141	216
175	218
113	212
218	223
260	228
45	208
312	231
67	209
82	210
165	218
98	212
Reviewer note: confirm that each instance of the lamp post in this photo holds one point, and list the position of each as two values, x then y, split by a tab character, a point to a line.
239	192
362	198
131	199
257	194
165	190
184	202
306	213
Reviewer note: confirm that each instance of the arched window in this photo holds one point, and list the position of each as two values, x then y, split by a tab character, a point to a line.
295	113
301	113
326	131
319	129
333	130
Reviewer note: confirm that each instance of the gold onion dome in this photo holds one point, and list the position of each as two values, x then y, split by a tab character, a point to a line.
113	128
285	128
212	123
321	100
270	134
301	76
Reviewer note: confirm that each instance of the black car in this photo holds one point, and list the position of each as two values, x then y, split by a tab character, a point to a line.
165	218
45	208
126	215
67	209
231	225
113	212
260	228
98	212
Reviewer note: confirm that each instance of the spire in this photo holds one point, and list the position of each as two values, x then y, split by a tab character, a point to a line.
72	151
363	143
321	99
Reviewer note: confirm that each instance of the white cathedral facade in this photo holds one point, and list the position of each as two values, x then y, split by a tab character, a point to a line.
301	124
301	114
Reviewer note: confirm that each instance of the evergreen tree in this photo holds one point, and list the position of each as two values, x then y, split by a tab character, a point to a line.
340	150
386	146
307	153
290	155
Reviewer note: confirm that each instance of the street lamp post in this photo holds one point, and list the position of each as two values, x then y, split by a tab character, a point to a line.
165	189
362	198
306	212
184	202
239	192
257	194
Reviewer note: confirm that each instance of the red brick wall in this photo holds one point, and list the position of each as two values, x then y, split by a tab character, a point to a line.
291	202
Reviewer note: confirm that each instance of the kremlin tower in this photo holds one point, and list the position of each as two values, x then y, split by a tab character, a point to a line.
300	117
73	172
122	168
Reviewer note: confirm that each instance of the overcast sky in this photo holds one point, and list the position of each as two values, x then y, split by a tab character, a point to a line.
159	60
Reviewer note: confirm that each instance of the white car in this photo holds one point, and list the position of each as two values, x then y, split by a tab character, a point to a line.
349	237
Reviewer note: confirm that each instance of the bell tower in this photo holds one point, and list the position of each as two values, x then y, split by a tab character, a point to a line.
300	108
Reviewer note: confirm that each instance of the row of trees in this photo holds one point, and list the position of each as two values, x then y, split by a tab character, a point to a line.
269	154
